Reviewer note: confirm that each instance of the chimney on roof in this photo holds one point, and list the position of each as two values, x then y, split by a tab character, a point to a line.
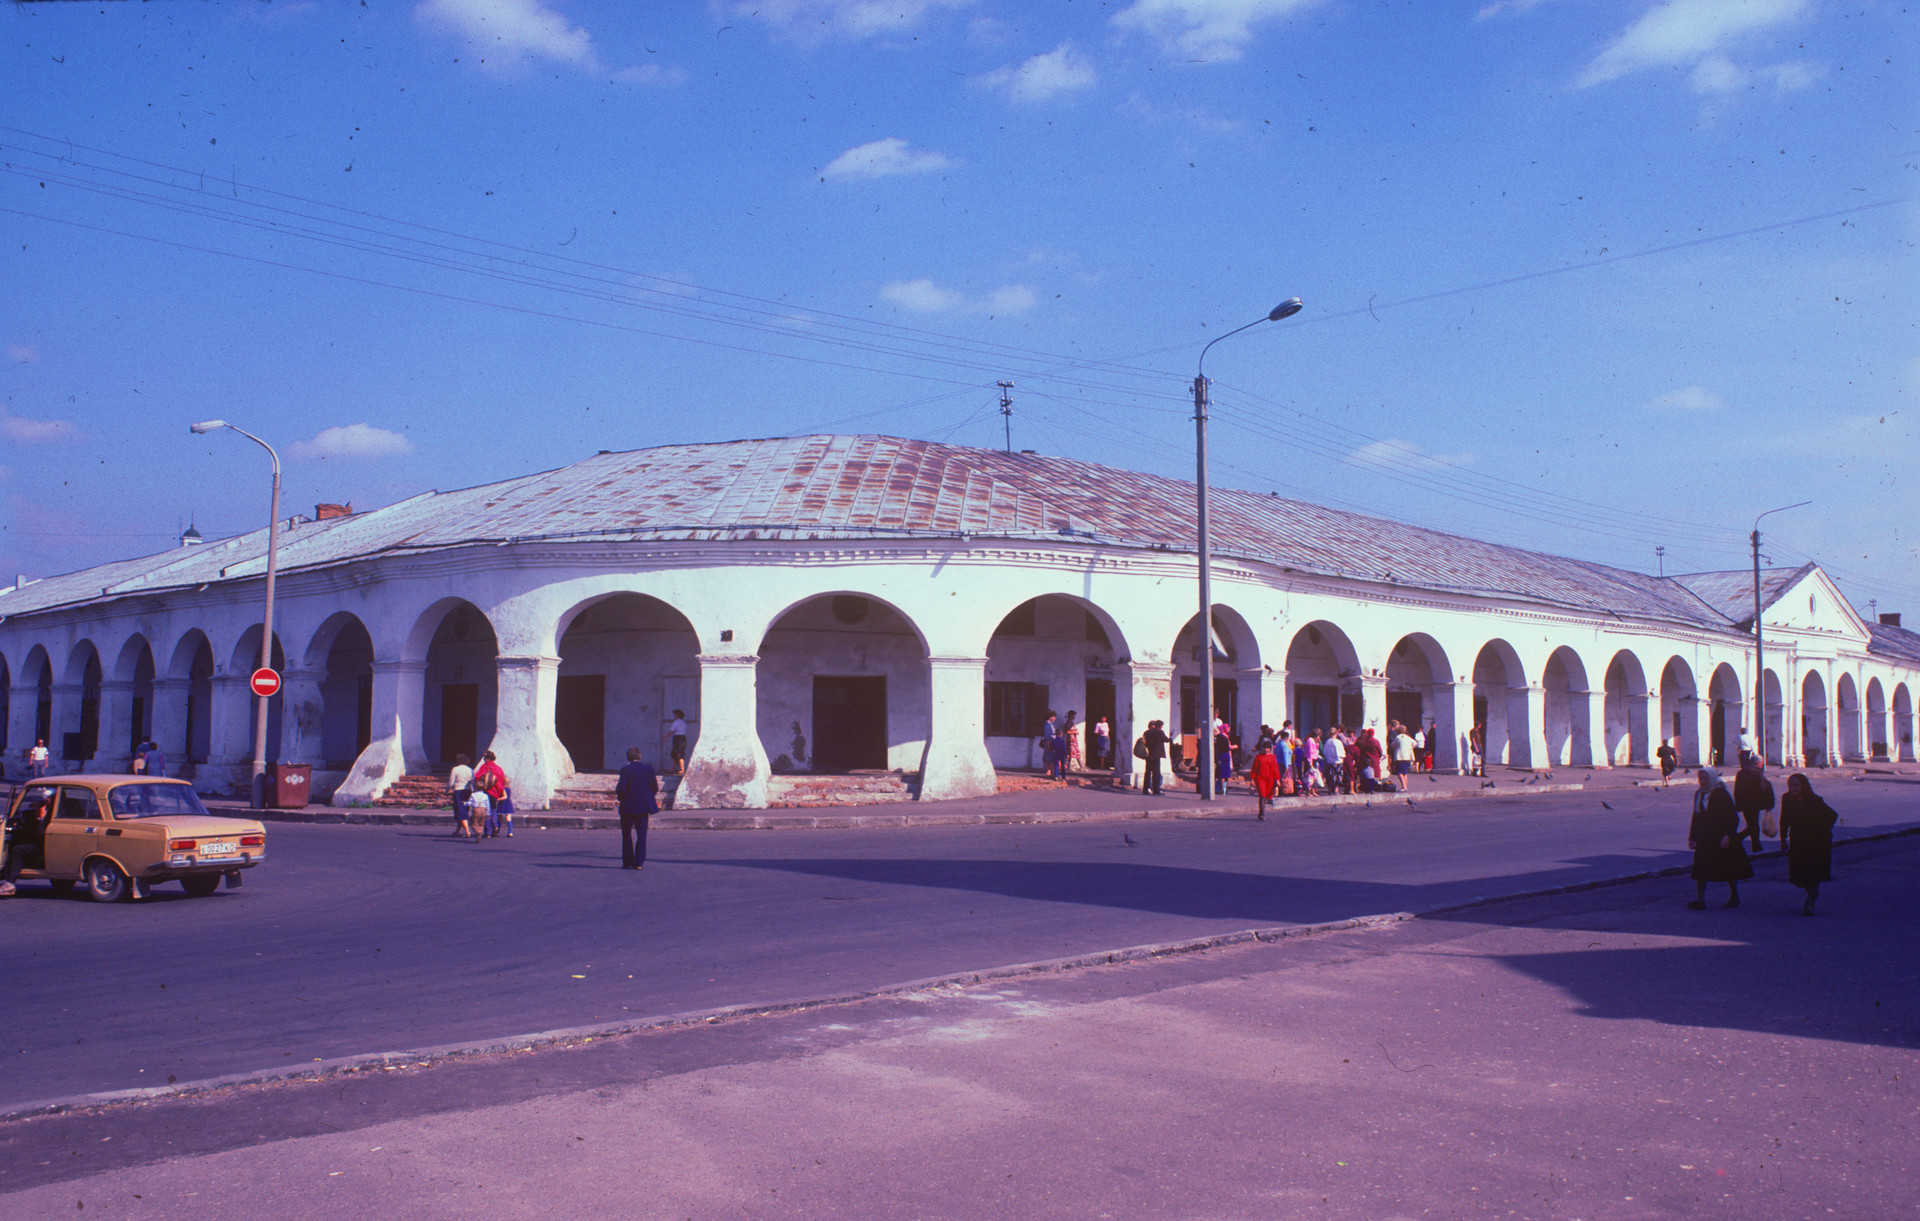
190	537
1889	618
328	512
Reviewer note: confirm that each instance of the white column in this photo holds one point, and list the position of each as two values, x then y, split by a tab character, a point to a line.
1527	740
395	748
303	717
1149	696
956	762
114	752
524	742
729	770
229	766
1453	720
1593	742
1698	713
1642	742
169	721
1270	691
65	720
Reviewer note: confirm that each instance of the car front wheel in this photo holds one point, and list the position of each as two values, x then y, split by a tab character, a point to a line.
105	882
200	885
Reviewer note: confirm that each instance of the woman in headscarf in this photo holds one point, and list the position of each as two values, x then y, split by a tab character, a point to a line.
1714	835
1806	830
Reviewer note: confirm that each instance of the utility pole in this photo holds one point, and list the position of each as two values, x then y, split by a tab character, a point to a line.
1759	645
1006	410
1662	553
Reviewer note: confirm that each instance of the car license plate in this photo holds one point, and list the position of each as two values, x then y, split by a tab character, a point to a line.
219	848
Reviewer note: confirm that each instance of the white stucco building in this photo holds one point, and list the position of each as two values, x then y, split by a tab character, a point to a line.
840	603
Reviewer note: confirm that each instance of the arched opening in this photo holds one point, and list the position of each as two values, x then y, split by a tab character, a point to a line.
1776	718
1727	717
133	718
1500	705
843	678
1847	701
1679	711
1813	720
1052	652
79	728
1626	732
192	669
627	663
37	676
1236	657
1323	679
1420	694
1568	711
246	659
1903	723
460	701
1878	731
342	652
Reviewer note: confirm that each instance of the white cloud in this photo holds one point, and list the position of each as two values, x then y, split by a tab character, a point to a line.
650	74
845	18
1204	29
507	32
352	441
1506	6
1047	75
1690	398
1398	453
1795	75
923	296
24	353
33	432
1718	74
1682	32
886	158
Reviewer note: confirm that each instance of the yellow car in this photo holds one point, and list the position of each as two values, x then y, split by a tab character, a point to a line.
123	834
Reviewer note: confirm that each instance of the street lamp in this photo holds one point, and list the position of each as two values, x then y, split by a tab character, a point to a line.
1759	663
258	798
1286	309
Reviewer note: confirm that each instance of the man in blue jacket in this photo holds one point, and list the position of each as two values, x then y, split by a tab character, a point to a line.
636	791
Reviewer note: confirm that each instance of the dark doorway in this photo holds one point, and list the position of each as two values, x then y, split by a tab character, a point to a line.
1405	707
459	721
137	732
1313	707
580	719
1100	703
363	716
1718	734
849	724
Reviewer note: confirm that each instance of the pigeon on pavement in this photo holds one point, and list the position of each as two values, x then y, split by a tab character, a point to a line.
1131	842
1605	806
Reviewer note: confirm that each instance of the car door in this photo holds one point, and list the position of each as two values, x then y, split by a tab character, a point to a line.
27	837
74	831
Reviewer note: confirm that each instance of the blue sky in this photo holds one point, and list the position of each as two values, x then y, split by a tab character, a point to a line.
1588	276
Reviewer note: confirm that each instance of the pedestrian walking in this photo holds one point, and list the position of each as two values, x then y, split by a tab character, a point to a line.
1052	753
1746	746
677	742
637	791
1155	740
1102	744
1714	835
1076	762
490	781
1265	774
156	759
1405	749
1477	750
1752	795
460	785
38	758
1669	760
1222	754
1333	760
1806	831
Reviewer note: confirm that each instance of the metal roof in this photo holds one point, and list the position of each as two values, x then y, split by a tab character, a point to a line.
1731	593
839	487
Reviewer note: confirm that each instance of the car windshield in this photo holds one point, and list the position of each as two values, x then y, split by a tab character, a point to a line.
154	800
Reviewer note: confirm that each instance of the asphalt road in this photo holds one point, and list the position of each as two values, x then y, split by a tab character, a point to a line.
354	940
1604	1053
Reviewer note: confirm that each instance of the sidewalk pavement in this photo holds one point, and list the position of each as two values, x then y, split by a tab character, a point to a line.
1073	802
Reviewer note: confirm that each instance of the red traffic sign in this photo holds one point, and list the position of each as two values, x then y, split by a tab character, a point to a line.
265	682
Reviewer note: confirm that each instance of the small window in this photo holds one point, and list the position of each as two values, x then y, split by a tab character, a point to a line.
1015	710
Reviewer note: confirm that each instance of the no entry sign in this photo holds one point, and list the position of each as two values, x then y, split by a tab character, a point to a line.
265	682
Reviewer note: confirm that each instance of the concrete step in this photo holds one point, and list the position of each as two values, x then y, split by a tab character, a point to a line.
856	789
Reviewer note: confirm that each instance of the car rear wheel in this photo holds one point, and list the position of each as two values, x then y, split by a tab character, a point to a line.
200	885
105	882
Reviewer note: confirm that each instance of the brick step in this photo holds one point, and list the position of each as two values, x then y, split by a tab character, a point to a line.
594	791
857	789
1032	782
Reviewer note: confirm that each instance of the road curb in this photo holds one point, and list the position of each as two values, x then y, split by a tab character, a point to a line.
427	1056
836	818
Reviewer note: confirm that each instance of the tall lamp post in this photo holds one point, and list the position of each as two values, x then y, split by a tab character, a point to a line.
259	785
1759	662
1286	309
